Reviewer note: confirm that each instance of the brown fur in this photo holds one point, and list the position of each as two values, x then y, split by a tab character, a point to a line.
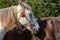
50	30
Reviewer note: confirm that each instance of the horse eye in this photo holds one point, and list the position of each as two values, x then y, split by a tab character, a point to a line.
28	8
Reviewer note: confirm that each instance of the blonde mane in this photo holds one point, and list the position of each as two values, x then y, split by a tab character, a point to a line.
8	16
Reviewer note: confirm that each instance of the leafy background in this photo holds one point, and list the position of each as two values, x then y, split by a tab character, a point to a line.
40	8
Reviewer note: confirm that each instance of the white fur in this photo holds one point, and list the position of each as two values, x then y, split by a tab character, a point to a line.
36	26
19	8
27	13
23	20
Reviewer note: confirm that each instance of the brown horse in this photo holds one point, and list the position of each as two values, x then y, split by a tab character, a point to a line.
46	31
50	29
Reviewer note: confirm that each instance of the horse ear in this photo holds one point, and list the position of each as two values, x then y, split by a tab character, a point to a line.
22	0
19	2
25	1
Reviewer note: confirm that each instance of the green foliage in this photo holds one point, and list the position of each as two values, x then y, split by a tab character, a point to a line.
6	3
40	8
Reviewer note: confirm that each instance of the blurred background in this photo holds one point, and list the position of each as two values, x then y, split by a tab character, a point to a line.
40	8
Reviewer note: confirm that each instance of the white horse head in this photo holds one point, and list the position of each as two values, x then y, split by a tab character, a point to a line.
8	17
29	15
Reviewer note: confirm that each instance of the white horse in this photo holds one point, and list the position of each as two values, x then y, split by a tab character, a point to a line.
9	16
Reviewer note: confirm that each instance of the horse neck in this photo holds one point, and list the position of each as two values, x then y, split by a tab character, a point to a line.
8	20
